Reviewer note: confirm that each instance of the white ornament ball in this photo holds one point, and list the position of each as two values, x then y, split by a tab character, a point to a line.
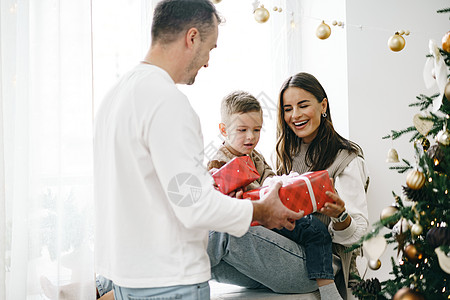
443	137
374	264
416	229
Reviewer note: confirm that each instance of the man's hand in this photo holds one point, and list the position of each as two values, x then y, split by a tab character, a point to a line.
271	213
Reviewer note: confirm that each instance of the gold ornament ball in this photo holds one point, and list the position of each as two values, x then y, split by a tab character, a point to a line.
216	1
416	229
323	31
396	42
447	91
443	137
412	254
446	42
387	213
261	14
407	294
415	180
374	264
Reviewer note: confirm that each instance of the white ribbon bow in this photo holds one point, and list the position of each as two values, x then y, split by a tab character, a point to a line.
289	179
440	72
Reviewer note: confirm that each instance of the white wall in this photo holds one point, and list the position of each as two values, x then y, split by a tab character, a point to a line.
369	86
382	83
326	59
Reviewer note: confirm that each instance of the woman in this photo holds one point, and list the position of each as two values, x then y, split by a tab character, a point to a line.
307	141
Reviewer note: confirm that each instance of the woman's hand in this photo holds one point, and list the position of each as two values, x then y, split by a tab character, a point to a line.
335	209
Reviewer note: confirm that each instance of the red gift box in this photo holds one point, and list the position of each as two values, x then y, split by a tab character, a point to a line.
238	172
304	192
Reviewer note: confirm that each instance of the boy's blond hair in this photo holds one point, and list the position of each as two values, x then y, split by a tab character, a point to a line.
238	102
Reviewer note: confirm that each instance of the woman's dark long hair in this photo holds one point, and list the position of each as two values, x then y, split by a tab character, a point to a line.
324	148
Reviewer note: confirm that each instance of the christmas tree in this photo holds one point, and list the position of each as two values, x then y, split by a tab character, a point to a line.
419	219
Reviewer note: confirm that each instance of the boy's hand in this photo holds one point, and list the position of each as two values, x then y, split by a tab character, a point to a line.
271	213
238	193
211	171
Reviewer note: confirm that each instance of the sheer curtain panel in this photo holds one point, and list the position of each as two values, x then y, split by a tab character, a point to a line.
46	149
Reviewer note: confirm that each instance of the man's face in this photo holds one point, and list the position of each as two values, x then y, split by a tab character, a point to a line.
201	56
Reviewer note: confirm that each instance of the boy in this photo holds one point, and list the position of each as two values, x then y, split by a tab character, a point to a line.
241	125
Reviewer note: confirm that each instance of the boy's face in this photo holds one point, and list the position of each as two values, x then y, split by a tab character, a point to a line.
242	132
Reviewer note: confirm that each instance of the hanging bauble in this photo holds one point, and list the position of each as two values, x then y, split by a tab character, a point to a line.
444	260
407	294
323	31
447	91
446	42
417	229
261	14
278	9
396	42
388	212
374	247
423	126
374	264
425	143
392	156
443	137
436	153
438	236
216	1
415	179
412	253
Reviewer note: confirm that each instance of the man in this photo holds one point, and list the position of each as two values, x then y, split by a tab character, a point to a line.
155	201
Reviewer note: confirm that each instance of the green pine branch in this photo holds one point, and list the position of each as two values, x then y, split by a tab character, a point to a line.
423	101
402	168
444	10
396	134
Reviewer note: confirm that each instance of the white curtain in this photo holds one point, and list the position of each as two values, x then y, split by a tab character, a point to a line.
53	53
46	149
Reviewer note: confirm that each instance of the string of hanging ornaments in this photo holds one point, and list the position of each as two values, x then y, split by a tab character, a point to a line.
395	43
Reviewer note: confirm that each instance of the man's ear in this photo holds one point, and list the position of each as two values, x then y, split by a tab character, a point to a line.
192	36
223	129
